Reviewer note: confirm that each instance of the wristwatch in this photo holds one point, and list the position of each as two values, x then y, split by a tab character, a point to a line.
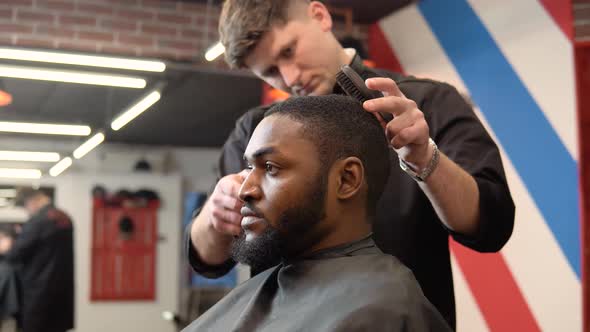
423	175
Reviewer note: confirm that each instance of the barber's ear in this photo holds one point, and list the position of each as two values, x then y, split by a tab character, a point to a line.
351	176
319	12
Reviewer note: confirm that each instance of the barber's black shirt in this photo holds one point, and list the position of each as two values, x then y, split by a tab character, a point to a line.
406	225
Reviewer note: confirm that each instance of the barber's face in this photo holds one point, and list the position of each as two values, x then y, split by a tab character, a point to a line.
284	194
300	57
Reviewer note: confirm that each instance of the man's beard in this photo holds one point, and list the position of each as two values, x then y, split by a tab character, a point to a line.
294	233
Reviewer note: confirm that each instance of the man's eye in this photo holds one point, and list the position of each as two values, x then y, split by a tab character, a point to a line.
271	169
288	52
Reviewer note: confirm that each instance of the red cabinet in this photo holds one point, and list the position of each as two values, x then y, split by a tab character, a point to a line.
124	242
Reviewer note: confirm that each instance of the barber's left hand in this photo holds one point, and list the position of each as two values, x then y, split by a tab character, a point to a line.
408	132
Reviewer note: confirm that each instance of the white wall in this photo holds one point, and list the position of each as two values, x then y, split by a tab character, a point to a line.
73	194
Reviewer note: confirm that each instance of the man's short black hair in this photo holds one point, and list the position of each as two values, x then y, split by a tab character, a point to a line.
340	128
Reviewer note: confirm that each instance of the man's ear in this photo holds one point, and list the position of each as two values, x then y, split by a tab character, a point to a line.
350	177
319	12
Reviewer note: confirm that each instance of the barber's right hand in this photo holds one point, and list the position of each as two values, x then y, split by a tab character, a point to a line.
224	210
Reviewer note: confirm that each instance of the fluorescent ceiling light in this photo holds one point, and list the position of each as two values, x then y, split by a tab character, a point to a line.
87	146
70	76
7	192
20	173
135	110
29	156
82	60
43	128
215	51
58	168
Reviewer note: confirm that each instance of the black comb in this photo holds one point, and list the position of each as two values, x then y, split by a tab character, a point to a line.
353	84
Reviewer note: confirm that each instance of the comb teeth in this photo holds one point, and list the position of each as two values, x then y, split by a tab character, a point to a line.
354	86
349	87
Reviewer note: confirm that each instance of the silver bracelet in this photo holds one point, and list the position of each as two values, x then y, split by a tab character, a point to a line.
425	173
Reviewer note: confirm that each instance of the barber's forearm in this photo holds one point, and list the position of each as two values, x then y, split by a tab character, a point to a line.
211	247
454	195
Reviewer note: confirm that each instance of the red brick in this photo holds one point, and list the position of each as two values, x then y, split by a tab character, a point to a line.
177	45
191	34
19	3
135	14
118	50
582	14
125	3
15	28
57	32
199	20
159	30
118	25
95	9
582	31
159	54
61	5
135	40
96	36
26	15
192	7
34	42
5	40
6	13
213	34
159	4
174	18
77	20
77	46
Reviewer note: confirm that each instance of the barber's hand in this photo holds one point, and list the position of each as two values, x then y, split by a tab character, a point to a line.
224	210
408	132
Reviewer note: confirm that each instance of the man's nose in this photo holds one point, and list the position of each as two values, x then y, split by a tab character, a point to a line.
250	189
291	75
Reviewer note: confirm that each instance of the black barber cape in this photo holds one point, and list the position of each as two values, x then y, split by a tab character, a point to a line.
354	287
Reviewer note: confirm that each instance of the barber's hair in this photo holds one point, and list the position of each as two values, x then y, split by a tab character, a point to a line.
340	128
243	22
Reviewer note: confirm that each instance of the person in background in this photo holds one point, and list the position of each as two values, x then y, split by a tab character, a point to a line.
43	254
446	176
316	167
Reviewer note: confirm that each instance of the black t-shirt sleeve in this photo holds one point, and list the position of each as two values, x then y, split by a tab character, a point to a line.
208	271
460	135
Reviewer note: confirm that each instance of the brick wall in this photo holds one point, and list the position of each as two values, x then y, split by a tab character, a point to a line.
582	19
170	30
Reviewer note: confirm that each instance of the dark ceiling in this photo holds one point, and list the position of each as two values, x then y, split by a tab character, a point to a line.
368	11
197	108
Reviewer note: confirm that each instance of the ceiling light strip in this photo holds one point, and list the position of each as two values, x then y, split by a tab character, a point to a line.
58	168
87	146
20	173
69	76
214	51
43	128
135	110
9	193
29	156
82	60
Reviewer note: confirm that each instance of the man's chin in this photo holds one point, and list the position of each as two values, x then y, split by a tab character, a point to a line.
259	251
